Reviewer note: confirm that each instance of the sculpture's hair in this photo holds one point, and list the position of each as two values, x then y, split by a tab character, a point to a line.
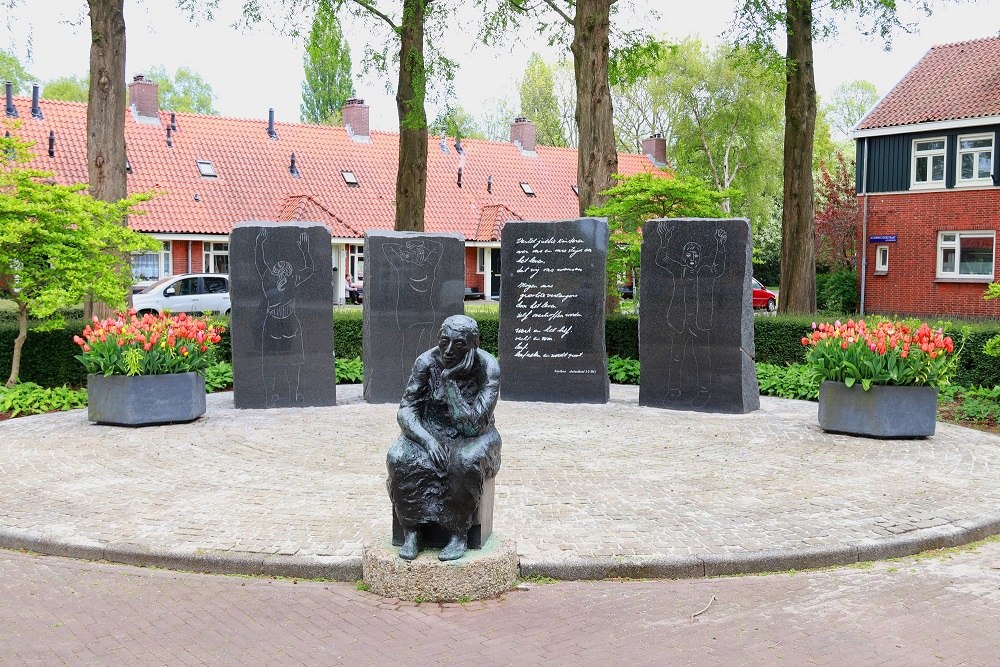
691	245
464	325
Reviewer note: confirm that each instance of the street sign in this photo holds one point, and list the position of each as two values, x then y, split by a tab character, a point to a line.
884	238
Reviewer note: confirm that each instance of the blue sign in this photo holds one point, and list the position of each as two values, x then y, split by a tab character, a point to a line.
885	238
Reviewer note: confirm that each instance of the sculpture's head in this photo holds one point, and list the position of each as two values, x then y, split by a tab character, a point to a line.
692	254
459	336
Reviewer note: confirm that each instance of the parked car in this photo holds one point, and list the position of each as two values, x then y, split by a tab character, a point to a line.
763	297
186	293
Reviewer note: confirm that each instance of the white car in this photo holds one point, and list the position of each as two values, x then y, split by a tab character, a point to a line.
186	293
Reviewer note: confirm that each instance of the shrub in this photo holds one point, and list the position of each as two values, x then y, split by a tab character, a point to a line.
623	371
796	381
28	398
350	371
837	291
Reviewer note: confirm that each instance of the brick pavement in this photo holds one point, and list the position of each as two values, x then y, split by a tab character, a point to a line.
939	609
587	491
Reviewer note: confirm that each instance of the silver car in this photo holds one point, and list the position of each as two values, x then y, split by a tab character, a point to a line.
186	293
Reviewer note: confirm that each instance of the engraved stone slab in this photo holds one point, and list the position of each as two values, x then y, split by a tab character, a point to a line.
696	318
413	281
282	315
551	339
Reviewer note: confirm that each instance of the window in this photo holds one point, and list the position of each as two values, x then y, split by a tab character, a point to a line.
350	178
527	189
216	257
185	287
576	190
975	159
480	260
152	265
928	162
206	169
217	285
965	254
881	259
356	262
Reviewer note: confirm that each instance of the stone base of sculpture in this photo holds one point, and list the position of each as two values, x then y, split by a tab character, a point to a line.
480	574
436	537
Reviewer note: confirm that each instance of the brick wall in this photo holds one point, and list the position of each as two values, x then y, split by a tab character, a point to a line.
910	286
179	257
472	279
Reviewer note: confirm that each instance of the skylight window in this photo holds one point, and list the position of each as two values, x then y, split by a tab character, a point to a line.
527	189
206	169
350	178
576	190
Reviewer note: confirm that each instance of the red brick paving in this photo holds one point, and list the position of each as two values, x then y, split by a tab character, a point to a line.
938	610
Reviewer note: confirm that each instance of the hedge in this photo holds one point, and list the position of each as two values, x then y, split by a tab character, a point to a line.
48	360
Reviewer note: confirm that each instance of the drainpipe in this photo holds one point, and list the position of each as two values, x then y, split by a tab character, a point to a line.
864	226
190	243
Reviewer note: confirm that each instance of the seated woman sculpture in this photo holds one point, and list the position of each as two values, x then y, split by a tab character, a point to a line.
449	444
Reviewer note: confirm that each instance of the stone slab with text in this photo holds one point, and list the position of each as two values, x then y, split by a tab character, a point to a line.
696	341
551	338
282	315
413	281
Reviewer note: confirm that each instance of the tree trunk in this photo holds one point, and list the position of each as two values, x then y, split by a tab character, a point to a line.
106	109
411	174
798	251
597	154
22	335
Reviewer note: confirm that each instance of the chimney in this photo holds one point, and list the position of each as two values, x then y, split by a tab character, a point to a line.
655	148
143	96
36	111
271	132
11	110
522	134
355	113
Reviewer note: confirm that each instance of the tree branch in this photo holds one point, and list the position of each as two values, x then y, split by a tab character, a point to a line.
371	9
565	17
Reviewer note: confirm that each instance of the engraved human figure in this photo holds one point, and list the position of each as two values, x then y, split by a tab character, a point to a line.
415	262
690	310
449	444
282	347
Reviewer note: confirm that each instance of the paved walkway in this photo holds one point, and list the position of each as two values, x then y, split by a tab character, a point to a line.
937	610
586	491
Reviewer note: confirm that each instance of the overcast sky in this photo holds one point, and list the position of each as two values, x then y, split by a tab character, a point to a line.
254	70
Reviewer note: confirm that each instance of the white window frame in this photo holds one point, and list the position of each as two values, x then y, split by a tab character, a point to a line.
952	240
481	260
929	155
975	152
164	263
881	259
211	250
356	262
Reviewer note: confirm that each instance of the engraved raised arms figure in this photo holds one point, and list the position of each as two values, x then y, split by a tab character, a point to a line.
415	262
449	445
690	312
282	347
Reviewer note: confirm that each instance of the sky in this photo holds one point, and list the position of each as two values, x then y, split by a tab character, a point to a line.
253	70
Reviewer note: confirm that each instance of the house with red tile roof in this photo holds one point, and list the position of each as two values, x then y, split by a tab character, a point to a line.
928	183
212	172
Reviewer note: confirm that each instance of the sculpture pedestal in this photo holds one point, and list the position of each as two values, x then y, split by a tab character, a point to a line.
479	574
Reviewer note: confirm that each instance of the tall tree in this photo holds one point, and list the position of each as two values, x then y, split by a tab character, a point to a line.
756	21
67	88
12	70
539	103
836	215
186	91
327	63
496	118
456	122
849	104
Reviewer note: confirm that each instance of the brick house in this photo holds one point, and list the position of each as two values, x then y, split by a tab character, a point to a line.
928	183
212	172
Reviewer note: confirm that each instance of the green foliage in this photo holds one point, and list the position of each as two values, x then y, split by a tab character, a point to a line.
539	104
350	371
67	88
185	91
489	331
778	339
850	102
12	70
347	335
621	336
28	398
837	292
218	377
795	381
455	121
623	371
327	63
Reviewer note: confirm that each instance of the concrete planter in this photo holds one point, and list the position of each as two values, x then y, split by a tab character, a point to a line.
884	411
145	400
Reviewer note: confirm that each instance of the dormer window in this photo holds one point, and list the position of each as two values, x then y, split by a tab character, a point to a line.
527	189
350	178
206	169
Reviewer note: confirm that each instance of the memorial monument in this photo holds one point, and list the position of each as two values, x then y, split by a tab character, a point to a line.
551	337
412	282
449	449
696	342
281	282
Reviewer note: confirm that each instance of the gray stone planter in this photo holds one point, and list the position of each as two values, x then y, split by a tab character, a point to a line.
145	400
884	411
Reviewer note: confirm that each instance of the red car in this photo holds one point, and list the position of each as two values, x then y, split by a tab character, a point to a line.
763	297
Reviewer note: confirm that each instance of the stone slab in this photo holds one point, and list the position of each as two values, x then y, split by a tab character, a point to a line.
479	574
696	342
282	315
413	281
553	286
